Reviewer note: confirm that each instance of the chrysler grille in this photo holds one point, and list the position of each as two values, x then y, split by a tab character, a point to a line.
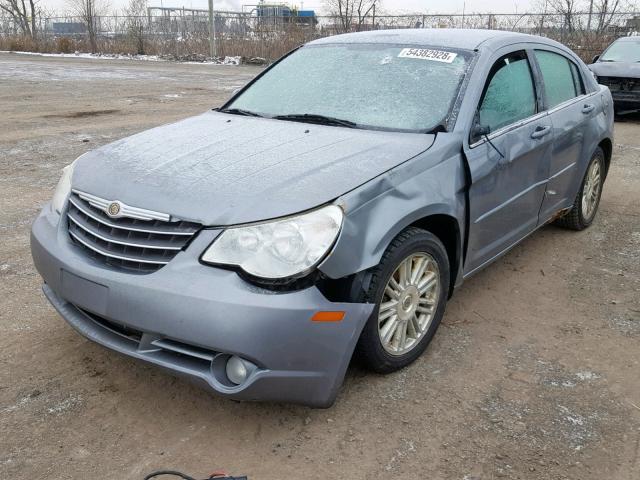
139	246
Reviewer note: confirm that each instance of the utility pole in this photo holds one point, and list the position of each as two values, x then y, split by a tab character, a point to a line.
373	26
464	6
590	14
212	32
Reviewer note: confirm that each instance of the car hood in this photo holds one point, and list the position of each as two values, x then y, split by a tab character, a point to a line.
616	69
221	169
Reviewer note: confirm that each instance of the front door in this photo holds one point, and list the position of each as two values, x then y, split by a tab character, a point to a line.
508	158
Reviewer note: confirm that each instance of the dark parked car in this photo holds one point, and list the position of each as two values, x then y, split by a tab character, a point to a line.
619	69
331	206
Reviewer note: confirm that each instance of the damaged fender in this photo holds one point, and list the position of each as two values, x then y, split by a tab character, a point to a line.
432	183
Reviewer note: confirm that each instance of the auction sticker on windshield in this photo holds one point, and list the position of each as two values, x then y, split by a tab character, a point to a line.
428	54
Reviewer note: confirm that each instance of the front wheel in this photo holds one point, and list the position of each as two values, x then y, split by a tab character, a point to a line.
587	200
409	288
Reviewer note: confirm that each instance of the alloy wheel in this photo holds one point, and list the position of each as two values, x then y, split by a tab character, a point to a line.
409	303
591	190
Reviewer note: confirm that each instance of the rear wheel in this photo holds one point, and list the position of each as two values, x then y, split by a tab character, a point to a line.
587	200
409	288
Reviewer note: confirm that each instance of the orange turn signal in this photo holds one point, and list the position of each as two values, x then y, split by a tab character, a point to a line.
328	317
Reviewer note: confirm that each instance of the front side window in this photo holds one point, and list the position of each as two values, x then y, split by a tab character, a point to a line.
374	86
559	75
509	95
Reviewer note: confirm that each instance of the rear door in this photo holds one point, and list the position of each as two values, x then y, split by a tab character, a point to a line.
508	156
570	110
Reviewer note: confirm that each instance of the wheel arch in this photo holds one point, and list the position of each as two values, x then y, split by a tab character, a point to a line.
447	229
444	226
607	147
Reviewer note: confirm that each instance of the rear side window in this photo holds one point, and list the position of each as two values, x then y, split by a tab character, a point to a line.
509	95
577	79
562	80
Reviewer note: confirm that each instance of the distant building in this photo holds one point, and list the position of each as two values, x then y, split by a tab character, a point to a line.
281	13
268	11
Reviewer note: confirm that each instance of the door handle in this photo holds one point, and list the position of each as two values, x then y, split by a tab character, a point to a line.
588	108
541	131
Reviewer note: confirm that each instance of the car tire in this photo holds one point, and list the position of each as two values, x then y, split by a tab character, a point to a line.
412	250
585	205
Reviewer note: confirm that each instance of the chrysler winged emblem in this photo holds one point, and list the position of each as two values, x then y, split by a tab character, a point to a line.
113	209
118	209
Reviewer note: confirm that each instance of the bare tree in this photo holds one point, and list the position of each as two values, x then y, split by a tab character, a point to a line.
606	10
89	11
567	9
541	6
351	13
23	14
136	13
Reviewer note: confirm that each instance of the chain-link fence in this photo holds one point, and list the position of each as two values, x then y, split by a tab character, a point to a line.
185	32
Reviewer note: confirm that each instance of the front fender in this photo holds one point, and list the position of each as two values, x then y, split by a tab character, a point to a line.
432	183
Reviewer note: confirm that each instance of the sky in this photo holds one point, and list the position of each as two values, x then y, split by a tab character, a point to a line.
391	6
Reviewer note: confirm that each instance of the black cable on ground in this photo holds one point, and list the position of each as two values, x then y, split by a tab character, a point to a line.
187	477
168	472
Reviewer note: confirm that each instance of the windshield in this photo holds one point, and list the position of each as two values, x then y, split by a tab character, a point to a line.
374	86
622	51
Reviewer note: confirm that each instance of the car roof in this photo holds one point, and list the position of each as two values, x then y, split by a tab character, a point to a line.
632	38
468	39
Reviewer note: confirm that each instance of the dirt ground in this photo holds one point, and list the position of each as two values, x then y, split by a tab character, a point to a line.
534	374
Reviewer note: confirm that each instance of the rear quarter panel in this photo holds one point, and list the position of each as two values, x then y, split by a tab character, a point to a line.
599	128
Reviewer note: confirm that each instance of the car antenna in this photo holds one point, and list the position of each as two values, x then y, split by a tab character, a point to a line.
486	137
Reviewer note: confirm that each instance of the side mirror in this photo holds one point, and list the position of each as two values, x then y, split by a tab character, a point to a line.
478	131
595	59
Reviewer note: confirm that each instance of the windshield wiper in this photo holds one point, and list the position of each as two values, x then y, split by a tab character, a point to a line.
239	111
319	119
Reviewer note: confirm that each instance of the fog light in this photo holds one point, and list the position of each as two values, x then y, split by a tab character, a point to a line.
238	370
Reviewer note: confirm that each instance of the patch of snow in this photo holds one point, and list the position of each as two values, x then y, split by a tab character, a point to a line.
578	420
224	61
113	56
64	405
584	376
232	60
19	404
96	56
407	446
20	328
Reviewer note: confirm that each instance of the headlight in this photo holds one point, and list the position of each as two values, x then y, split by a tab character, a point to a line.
63	189
280	249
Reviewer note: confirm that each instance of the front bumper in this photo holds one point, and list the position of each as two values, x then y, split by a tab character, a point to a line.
188	318
626	101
